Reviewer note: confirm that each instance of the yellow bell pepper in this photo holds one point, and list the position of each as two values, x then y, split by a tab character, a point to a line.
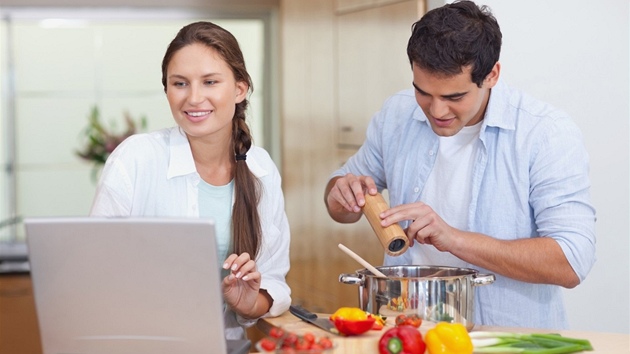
448	338
350	314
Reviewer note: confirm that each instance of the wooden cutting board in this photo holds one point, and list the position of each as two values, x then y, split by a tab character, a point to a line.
367	343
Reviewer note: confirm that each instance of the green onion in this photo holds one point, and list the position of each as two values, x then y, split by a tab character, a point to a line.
537	343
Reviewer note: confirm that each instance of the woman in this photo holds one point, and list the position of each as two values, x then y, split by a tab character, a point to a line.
206	167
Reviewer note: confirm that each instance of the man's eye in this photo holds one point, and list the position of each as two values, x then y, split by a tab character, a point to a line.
455	99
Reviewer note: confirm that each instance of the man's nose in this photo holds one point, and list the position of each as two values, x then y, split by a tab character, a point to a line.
438	108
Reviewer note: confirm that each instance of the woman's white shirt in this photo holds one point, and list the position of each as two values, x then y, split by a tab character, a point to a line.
154	174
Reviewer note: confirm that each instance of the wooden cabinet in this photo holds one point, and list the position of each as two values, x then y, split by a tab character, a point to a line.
19	331
372	62
339	61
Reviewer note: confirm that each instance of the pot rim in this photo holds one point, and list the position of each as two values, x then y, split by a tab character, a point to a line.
461	272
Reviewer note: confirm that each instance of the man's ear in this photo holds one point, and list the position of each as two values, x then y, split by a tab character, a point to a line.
492	78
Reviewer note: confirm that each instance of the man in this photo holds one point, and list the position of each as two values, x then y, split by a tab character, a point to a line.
481	176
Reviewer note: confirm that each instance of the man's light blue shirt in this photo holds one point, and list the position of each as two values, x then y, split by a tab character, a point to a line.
530	179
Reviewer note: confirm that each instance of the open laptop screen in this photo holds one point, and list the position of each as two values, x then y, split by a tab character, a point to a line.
126	285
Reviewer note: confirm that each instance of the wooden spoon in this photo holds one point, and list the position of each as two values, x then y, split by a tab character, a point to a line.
363	262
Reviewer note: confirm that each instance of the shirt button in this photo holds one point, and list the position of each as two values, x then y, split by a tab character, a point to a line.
430	152
415	190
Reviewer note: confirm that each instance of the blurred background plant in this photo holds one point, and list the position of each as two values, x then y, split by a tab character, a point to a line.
100	140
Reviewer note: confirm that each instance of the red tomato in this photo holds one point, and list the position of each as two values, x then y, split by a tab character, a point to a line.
410	320
290	340
276	332
309	337
267	344
325	342
302	345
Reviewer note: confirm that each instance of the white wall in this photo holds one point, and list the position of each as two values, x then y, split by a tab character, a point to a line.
574	54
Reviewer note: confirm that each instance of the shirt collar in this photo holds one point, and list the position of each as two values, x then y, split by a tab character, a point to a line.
496	112
181	161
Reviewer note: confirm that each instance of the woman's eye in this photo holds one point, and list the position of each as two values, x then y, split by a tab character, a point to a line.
179	84
211	82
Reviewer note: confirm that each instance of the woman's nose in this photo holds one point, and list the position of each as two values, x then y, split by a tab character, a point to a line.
196	95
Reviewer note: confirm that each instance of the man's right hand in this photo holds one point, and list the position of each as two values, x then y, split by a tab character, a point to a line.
345	196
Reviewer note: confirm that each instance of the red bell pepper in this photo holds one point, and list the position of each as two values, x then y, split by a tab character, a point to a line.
354	327
401	340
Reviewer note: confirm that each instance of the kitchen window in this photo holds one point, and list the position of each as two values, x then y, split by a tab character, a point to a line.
55	65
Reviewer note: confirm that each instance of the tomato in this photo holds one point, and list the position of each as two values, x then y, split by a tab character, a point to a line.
410	320
302	345
325	342
267	344
290	343
276	332
290	340
309	337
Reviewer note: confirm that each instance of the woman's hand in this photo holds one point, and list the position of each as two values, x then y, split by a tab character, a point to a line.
241	287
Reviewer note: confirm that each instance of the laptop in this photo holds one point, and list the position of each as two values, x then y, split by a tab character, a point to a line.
127	286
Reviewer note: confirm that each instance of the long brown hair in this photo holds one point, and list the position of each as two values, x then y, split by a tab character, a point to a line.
247	231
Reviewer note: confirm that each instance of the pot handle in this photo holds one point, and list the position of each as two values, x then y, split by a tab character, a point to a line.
352	279
483	279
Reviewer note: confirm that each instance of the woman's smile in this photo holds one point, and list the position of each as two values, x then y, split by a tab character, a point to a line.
197	116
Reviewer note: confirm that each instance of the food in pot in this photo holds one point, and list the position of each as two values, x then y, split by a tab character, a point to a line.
448	338
401	340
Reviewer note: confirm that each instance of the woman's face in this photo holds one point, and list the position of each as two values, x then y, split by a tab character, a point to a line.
202	92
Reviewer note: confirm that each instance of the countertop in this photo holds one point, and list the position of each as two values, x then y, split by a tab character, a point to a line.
609	343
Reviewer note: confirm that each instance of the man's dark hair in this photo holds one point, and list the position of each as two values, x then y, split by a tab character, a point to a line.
453	36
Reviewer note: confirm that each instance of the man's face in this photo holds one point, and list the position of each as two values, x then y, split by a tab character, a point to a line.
452	102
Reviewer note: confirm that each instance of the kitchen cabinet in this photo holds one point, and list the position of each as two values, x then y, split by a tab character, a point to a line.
372	63
321	47
19	331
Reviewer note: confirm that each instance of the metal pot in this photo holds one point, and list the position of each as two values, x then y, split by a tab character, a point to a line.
434	293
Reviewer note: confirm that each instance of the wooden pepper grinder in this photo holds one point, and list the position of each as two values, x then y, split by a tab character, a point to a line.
393	238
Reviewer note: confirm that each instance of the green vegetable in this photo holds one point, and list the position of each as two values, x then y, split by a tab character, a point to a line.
537	343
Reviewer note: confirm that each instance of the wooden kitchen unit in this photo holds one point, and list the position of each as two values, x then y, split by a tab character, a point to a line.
19	331
334	57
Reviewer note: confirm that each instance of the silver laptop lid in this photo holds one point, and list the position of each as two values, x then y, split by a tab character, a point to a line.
126	285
